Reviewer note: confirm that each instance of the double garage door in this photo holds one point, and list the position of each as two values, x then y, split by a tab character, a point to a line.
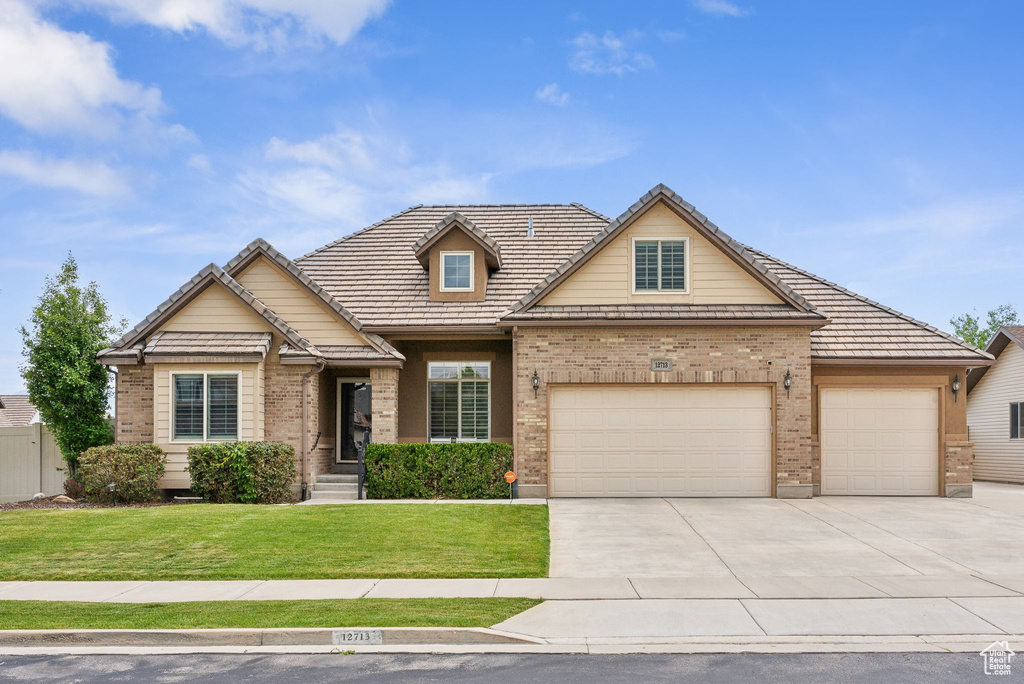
716	440
668	440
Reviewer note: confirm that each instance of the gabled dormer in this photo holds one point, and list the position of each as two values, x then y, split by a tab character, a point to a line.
459	257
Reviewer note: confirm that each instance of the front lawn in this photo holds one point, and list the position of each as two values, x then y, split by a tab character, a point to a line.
275	542
464	612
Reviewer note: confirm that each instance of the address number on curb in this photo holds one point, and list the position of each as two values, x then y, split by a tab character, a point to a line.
371	637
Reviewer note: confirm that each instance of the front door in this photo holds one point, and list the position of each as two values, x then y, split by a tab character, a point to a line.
355	413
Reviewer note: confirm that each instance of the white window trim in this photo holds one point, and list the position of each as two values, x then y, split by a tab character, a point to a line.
472	271
659	239
1020	427
459	404
206	407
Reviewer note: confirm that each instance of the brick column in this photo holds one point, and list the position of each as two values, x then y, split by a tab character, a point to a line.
385	405
959	470
135	404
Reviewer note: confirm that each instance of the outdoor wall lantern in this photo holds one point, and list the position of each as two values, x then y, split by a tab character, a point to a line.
787	382
536	383
956	385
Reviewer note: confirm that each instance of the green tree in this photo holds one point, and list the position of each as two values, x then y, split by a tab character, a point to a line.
68	386
969	329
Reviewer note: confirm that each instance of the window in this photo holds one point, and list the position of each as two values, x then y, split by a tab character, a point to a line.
459	397
1017	420
659	265
456	271
205	406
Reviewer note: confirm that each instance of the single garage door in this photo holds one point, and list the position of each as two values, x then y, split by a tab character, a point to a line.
660	440
880	441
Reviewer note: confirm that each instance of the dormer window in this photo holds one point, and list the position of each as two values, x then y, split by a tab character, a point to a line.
660	266
457	271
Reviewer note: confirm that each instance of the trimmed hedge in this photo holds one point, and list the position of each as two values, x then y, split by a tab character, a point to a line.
438	471
242	472
134	470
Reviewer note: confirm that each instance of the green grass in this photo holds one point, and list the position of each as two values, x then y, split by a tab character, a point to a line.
463	612
274	542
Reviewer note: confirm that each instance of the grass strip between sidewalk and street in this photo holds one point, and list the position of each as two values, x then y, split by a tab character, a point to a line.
456	612
220	542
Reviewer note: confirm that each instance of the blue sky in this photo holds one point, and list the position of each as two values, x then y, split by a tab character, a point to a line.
876	144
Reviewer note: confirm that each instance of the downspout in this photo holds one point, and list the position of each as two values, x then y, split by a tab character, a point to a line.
320	365
117	415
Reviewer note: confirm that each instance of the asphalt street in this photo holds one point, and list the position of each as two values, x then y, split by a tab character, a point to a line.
877	668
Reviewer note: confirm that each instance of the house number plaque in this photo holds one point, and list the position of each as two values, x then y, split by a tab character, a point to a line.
372	637
661	364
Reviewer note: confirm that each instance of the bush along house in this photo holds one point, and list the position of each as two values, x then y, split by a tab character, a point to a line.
649	355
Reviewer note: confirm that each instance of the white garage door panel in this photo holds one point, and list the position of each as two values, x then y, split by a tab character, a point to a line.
660	441
880	441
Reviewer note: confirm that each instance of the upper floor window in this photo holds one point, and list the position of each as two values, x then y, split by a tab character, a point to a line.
1017	420
659	266
456	271
204	406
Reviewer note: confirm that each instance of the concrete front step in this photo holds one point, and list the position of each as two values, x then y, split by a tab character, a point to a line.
337	496
335	478
335	487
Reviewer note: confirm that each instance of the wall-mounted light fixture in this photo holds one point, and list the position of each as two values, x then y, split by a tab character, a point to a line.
787	382
536	383
956	385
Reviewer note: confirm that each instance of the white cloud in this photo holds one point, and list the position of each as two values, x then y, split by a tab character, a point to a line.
91	178
200	162
55	80
349	175
608	54
959	218
260	24
721	8
552	94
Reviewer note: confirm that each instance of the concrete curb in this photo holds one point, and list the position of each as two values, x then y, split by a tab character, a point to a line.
300	636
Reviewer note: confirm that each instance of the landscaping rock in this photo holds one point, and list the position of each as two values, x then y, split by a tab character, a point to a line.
63	499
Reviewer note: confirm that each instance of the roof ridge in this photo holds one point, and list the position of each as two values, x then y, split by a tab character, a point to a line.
580	205
357	232
898	314
503	204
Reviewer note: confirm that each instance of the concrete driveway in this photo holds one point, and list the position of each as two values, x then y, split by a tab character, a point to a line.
765	541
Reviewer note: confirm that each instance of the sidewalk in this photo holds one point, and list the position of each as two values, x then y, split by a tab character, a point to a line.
1005	588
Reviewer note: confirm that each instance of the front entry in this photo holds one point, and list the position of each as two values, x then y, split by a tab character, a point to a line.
354	417
660	440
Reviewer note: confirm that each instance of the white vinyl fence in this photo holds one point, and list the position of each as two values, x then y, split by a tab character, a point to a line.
29	462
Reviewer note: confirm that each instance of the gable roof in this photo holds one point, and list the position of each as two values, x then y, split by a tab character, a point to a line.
210	274
455	221
1000	341
16	410
179	343
662	193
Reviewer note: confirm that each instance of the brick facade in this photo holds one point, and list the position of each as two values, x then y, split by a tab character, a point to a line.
959	469
385	405
724	354
135	404
283	409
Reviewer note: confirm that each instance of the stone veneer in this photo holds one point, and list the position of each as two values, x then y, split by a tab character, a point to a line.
134	404
725	354
282	420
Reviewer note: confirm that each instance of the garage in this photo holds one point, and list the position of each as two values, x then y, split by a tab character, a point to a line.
880	441
660	440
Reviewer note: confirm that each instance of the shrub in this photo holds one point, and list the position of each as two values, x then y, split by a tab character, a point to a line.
443	471
133	470
74	489
242	472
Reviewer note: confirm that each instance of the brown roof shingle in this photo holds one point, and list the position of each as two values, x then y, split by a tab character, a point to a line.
17	410
664	312
175	343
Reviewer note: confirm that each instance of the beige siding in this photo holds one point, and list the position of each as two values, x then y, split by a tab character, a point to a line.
30	462
250	412
607	277
217	310
288	300
996	456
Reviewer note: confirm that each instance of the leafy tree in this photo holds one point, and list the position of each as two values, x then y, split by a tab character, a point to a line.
968	328
66	383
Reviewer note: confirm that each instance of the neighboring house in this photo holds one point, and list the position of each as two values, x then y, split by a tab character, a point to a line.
17	411
650	355
995	412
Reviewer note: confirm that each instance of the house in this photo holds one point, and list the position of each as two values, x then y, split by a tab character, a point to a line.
995	412
650	355
17	411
